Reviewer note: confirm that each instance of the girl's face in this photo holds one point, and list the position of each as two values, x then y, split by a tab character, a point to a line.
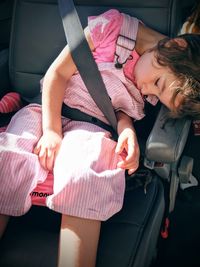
153	79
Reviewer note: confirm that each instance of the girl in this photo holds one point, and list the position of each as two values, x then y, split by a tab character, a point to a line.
88	165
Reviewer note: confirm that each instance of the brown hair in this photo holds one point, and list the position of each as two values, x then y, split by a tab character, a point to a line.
184	62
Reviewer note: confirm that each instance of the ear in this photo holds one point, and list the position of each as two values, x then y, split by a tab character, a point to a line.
180	41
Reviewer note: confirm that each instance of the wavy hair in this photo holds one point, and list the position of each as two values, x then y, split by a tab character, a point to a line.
184	62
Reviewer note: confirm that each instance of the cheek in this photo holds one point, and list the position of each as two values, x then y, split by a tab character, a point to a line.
139	70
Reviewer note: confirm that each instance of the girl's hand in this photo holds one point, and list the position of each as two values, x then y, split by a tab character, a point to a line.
47	149
128	148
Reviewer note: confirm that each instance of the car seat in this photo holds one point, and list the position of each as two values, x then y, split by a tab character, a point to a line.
130	237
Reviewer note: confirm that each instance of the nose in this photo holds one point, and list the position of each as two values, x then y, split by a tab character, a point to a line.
146	88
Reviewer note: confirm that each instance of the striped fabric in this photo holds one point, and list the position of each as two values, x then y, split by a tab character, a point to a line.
123	93
20	168
10	102
86	180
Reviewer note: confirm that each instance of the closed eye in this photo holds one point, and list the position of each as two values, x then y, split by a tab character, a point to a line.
156	82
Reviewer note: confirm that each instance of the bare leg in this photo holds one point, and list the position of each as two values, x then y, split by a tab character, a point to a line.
3	223
78	242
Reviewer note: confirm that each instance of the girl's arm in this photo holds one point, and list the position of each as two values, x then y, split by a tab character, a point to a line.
127	145
54	85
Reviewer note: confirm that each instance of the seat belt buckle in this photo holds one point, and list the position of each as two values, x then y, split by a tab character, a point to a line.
125	42
124	48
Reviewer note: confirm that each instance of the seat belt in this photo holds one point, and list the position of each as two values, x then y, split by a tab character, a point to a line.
84	60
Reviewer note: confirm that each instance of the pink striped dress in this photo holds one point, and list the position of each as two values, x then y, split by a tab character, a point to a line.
87	182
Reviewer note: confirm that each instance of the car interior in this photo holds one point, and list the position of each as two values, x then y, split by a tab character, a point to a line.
158	225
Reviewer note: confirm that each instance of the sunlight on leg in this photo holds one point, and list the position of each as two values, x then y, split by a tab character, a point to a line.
78	242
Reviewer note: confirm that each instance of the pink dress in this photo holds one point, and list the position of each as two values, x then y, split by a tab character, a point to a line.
87	182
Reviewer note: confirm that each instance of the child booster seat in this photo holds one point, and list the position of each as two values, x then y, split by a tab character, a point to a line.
130	237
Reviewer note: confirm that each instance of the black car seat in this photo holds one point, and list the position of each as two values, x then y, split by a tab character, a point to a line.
130	237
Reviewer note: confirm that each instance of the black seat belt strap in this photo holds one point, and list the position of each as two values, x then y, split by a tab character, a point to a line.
70	113
77	115
84	60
